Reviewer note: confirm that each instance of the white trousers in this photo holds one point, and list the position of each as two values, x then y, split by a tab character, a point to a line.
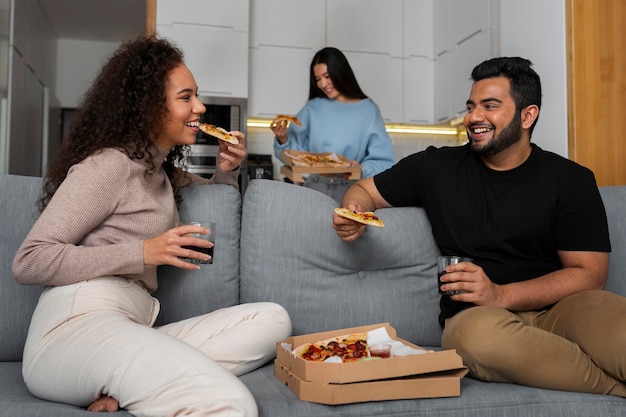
96	337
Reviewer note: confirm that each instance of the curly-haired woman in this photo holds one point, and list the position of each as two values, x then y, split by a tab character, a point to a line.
108	216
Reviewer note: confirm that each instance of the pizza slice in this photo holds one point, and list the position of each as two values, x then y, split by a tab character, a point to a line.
288	118
365	217
219	133
348	348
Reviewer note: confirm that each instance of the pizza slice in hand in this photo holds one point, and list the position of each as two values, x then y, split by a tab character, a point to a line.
365	217
219	133
287	118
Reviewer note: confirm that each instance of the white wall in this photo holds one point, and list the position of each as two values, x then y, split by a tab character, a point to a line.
78	62
535	29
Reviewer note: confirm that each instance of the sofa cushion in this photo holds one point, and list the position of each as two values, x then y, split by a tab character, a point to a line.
614	199
185	293
478	399
291	255
18	212
17	401
182	293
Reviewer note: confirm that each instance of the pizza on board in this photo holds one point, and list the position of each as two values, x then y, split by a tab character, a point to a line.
219	133
349	348
318	160
365	217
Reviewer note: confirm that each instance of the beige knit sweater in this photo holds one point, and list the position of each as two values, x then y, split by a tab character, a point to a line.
97	221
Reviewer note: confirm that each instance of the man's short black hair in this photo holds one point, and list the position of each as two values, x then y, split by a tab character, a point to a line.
525	82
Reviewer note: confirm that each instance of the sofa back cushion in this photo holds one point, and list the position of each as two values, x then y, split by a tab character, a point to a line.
182	293
614	199
18	212
186	293
291	255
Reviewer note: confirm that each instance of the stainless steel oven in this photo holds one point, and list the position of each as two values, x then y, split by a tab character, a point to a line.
229	113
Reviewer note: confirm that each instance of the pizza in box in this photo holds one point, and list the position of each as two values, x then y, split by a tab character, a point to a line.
348	348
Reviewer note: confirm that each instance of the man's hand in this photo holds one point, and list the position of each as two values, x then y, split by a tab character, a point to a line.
581	271
362	196
348	230
473	285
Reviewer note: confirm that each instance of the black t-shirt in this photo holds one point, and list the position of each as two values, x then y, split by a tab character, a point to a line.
510	222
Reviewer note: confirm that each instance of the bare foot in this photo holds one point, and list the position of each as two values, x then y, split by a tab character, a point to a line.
104	404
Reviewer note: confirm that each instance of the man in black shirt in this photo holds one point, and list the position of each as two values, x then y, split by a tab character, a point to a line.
530	308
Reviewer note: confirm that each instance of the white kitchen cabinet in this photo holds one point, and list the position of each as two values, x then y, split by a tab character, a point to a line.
441	27
217	57
288	23
365	26
403	52
442	87
467	18
279	80
462	40
215	39
463	60
418	36
25	151
388	44
380	77
32	53
456	21
418	91
284	36
418	86
453	75
231	14
34	39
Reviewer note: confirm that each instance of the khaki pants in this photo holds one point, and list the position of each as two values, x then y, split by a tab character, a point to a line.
578	345
96	337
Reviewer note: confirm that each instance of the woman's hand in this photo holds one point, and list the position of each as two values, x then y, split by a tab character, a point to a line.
279	128
231	156
170	246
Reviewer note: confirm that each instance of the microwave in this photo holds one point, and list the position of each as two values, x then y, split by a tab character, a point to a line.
230	113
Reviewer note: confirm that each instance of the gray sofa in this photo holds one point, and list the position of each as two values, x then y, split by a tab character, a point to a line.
278	245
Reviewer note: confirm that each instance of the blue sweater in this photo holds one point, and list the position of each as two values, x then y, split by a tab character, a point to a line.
354	130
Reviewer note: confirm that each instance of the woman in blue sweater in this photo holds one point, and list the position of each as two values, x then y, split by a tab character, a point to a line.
340	118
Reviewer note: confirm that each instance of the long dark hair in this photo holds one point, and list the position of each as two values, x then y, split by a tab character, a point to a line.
525	82
340	73
124	109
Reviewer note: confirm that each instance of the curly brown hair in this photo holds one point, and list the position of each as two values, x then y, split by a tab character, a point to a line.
124	109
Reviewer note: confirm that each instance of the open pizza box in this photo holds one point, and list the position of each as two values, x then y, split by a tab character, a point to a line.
298	163
426	374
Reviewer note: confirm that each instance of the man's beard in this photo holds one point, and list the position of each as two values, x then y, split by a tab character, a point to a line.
509	136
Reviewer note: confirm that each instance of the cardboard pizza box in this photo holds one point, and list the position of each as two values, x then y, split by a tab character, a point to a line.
436	385
294	168
426	375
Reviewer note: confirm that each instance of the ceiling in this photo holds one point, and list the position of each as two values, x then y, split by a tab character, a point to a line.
96	20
